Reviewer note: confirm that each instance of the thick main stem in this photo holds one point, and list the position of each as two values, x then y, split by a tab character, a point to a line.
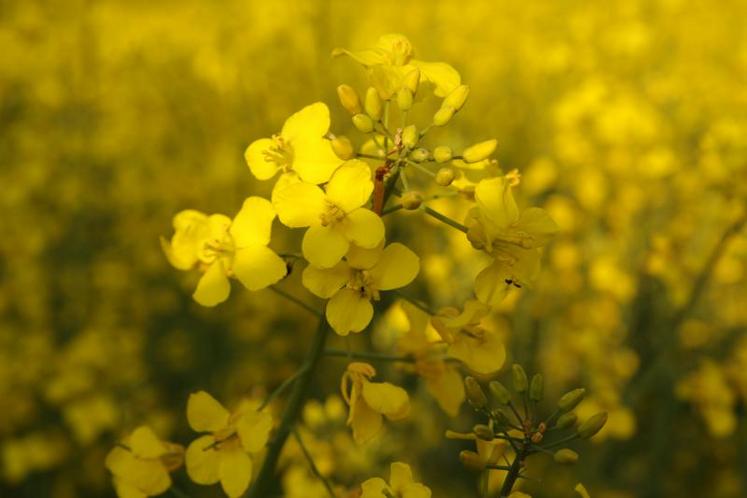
514	471
265	478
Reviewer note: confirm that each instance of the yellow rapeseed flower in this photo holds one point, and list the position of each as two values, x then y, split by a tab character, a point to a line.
401	485
352	284
222	248
225	454
335	215
370	401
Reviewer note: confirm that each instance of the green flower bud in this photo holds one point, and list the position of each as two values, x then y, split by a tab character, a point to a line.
343	148
499	392
475	394
349	99
445	176
410	136
521	382
536	388
457	97
412	200
566	420
442	153
404	99
373	104
592	425
565	456
420	155
443	115
570	400
364	123
483	432
471	460
412	80
479	151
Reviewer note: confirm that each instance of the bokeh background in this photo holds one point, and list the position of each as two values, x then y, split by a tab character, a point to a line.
626	119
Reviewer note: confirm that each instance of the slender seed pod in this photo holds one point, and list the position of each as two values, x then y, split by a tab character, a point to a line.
566	420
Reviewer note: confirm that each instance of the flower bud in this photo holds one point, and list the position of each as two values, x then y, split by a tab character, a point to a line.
373	104
410	136
592	425
565	456
349	99
471	460
404	99
483	432
412	200
566	420
445	176
363	123
536	388
419	155
443	115
499	392
343	148
412	80
442	153
571	399
521	382
479	151
475	394
457	97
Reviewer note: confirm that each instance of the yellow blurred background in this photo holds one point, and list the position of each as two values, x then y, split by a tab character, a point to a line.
627	121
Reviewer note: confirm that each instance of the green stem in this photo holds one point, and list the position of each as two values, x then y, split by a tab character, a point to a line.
295	300
513	473
444	219
281	388
312	464
363	355
266	478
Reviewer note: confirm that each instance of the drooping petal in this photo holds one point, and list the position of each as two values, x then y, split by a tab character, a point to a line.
416	490
581	490
444	77
490	284
299	204
397	267
202	463
400	475
374	488
126	489
254	429
205	413
366	57
365	422
255	158
387	399
258	267
496	202
145	444
213	287
325	282
483	355
448	389
253	223
350	185
537	225
363	227
348	311
235	471
324	246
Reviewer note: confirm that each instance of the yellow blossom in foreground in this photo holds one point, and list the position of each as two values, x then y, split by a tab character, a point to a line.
369	401
141	464
335	216
512	238
352	284
390	61
300	149
479	348
225	454
221	248
401	485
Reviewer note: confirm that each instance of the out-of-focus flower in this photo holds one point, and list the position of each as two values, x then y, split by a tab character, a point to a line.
401	485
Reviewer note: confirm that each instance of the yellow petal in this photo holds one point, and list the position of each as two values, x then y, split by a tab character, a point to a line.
324	246
258	267
538	225
374	488
490	284
213	287
397	267
235	471
326	282
581	490
313	157
496	202
126	489
253	223
362	258
283	181
312	120
145	444
363	227
202	464
365	422
118	460
350	185
387	399
348	311
400	475
448	389
299	204
147	476
254	155
416	490
366	57
444	77
254	429
205	413
484	355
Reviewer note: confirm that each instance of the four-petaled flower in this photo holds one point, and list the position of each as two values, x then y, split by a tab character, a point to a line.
225	454
401	485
